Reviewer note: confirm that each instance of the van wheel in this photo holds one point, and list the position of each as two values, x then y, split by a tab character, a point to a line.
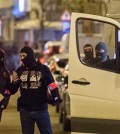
57	108
66	123
60	114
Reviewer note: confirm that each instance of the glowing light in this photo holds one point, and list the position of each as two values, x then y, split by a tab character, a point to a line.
22	5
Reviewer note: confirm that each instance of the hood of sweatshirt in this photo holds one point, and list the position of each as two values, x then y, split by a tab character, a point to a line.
29	60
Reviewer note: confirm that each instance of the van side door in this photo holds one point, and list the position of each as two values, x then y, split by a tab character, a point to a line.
94	84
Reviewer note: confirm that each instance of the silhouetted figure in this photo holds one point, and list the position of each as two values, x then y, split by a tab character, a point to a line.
4	83
88	51
102	58
101	52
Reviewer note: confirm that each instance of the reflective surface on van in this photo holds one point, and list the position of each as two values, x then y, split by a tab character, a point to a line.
96	44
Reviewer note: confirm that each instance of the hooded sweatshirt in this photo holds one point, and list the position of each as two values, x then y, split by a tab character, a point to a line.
34	79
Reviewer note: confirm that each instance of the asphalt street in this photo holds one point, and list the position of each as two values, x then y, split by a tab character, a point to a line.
10	123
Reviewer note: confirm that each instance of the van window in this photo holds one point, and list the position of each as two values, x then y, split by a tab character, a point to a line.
96	44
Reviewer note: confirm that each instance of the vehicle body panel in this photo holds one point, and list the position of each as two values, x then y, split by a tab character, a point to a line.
101	98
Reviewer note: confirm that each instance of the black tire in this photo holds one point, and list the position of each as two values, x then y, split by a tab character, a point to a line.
66	123
66	113
57	108
60	114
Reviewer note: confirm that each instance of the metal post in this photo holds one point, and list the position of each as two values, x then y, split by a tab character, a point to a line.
42	22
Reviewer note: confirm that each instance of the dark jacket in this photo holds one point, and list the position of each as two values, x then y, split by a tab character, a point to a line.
33	86
4	81
4	87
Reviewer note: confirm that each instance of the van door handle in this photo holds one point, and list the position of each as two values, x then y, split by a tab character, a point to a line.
82	81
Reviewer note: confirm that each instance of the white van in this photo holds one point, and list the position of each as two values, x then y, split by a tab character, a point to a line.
93	90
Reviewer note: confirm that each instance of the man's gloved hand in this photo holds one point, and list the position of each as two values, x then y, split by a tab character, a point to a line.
53	95
54	101
4	102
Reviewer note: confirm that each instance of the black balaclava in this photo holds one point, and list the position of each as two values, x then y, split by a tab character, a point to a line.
2	57
101	51
88	51
29	60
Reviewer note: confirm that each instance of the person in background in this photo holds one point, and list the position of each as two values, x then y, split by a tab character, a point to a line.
4	83
34	45
101	52
89	54
34	79
101	55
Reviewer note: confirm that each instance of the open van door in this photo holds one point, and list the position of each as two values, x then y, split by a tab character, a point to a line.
94	86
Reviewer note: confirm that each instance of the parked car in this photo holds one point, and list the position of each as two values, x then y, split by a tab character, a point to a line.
65	105
39	56
57	63
51	48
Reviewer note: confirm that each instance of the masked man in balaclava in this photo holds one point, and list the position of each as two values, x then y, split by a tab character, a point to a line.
4	83
89	55
102	58
101	52
34	79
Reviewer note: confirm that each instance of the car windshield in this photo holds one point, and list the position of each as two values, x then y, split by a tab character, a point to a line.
56	50
38	55
62	63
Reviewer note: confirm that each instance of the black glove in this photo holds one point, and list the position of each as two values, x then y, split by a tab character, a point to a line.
54	97
50	100
54	101
4	102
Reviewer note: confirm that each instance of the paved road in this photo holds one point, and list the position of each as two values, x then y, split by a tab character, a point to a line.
10	123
